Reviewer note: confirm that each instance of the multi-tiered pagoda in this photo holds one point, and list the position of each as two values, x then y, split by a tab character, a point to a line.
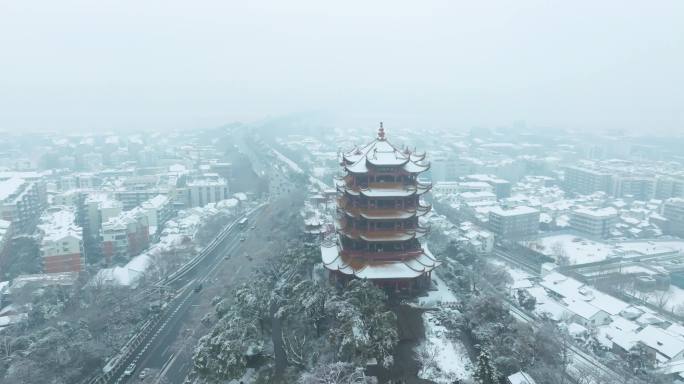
378	233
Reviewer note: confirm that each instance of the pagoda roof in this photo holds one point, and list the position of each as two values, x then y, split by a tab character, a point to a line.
409	268
381	153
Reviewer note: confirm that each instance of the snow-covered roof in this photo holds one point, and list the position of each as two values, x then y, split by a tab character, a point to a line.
208	181
576	295
123	219
520	210
382	153
662	341
575	329
406	269
9	187
59	223
521	378
156	202
602	213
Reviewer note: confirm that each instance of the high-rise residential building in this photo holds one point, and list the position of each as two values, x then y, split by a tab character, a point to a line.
501	187
636	187
514	223
92	161
125	235
586	181
22	199
159	209
448	167
5	241
99	208
209	188
594	222
378	231
667	187
61	241
673	211
135	190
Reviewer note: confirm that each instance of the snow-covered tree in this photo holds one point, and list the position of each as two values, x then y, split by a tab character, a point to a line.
223	353
333	373
363	326
485	373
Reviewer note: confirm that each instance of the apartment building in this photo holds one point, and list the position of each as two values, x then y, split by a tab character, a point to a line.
514	223
586	181
61	241
209	188
673	211
594	222
21	201
125	235
159	209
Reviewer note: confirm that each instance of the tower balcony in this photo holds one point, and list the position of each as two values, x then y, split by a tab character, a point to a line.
382	213
390	235
385	189
380	256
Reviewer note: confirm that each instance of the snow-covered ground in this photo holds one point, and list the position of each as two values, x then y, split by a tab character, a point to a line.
441	296
446	359
579	250
671	300
521	279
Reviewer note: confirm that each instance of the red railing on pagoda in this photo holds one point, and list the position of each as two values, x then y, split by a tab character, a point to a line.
382	255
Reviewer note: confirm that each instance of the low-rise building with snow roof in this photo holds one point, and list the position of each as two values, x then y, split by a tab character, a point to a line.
61	241
520	378
476	239
586	314
664	345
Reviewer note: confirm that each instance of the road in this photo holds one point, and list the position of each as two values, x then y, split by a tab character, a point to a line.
167	349
170	354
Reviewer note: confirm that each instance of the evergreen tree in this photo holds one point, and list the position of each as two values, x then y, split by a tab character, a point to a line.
485	373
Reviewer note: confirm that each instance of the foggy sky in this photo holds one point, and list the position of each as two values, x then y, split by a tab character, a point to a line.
132	65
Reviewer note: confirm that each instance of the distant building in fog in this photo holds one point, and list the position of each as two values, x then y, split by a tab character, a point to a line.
586	181
210	188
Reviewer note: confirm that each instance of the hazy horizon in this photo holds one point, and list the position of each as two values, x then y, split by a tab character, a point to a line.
122	66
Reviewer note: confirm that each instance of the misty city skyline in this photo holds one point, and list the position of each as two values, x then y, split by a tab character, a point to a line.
80	66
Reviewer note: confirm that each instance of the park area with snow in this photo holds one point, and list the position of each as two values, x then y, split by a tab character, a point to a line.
578	250
444	360
439	297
